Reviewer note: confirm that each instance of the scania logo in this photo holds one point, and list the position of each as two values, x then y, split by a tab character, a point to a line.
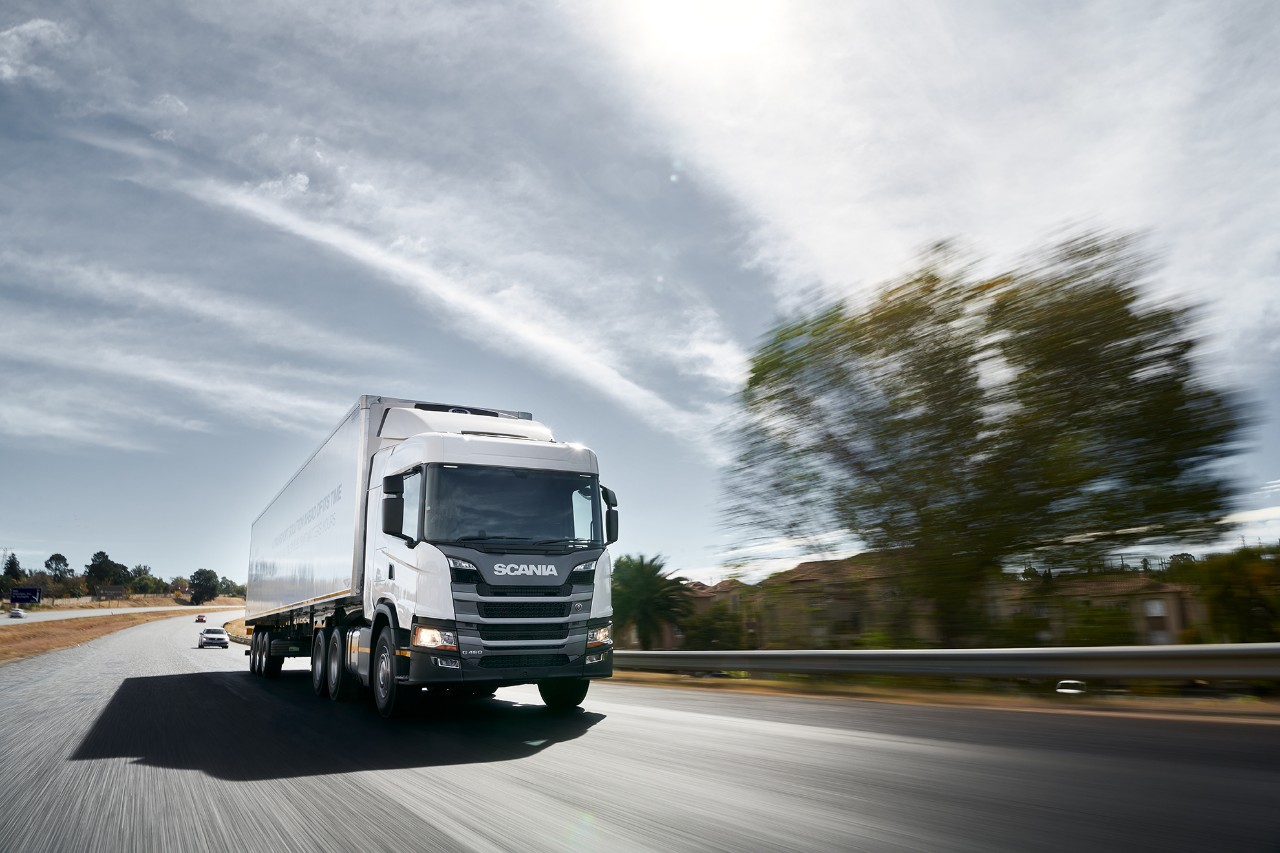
525	569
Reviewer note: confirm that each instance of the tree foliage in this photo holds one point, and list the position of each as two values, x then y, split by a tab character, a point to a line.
203	585
1046	414
645	598
101	570
58	567
228	587
12	568
717	627
1242	592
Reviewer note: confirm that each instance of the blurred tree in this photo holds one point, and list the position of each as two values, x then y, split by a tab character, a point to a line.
717	627
12	568
1048	414
58	567
203	586
1098	626
179	584
646	599
1242	592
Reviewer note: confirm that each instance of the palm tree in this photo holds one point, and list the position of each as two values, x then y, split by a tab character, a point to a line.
646	599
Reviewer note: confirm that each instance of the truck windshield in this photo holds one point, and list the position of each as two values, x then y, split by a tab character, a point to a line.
491	508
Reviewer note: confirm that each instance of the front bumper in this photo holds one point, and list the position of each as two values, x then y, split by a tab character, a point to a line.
432	668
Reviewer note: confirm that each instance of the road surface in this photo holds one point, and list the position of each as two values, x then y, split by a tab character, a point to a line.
226	613
140	741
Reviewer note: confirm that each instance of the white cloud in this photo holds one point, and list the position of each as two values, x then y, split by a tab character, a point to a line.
21	44
126	354
251	320
853	134
495	319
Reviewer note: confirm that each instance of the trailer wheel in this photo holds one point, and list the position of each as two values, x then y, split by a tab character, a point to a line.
319	649
271	664
255	650
563	694
341	681
391	699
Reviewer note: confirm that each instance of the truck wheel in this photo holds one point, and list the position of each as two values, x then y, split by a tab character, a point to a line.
562	694
271	664
391	699
341	681
255	653
319	676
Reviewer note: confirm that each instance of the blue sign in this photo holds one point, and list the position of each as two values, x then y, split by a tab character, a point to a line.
25	595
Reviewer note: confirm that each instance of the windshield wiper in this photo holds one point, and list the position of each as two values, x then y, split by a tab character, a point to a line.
577	542
488	538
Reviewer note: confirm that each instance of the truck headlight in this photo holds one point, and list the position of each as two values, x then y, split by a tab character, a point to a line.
602	636
434	638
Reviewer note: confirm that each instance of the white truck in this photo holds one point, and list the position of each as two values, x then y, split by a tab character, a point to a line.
437	548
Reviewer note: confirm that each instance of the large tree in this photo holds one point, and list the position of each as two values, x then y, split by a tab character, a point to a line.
101	570
645	598
58	567
204	586
958	423
12	568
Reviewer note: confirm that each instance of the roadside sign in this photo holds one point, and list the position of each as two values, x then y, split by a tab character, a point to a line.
26	595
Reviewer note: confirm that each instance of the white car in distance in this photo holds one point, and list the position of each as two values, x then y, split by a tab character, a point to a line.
214	637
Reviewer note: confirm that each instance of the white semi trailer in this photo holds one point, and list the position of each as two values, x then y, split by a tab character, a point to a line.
436	547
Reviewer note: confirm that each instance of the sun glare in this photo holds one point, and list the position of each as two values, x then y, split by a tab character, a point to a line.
712	31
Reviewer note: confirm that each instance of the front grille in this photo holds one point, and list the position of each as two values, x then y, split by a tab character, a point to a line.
521	610
523	661
524	632
489	590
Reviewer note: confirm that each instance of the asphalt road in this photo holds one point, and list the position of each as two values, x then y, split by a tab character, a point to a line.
55	615
140	741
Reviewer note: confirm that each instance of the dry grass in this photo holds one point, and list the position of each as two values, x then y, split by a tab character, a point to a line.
36	638
237	628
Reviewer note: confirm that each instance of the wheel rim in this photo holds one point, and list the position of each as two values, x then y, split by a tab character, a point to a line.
335	661
384	674
317	660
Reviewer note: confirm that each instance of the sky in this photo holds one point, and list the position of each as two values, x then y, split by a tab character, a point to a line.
220	223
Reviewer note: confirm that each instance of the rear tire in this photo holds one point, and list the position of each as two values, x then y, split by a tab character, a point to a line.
391	699
341	681
271	664
255	650
563	694
319	672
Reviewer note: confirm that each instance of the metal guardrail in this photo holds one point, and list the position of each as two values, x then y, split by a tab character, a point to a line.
1237	660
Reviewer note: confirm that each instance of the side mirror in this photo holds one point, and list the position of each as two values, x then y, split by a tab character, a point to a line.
610	516
393	507
393	516
611	526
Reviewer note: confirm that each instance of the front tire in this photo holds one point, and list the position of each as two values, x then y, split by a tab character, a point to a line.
319	675
563	694
391	699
